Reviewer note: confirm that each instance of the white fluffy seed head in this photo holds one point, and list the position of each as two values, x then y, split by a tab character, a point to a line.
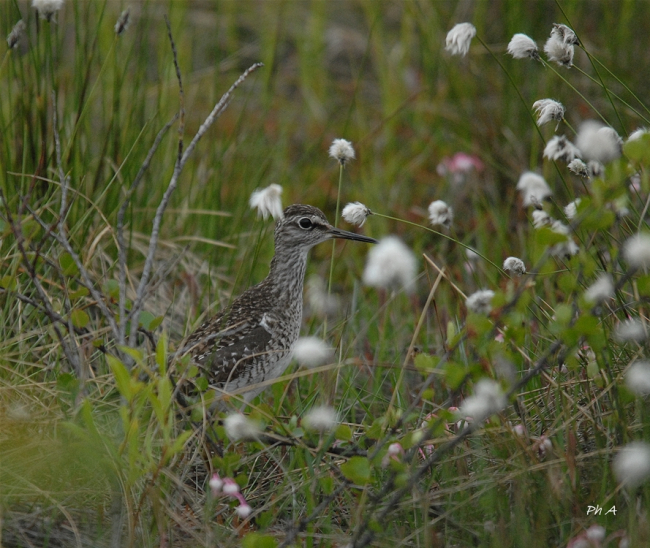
47	8
636	251
514	266
632	464
637	134
560	148
480	302
598	142
637	378
267	201
548	110
630	330
122	22
13	38
533	188
356	213
541	218
440	214
390	265
578	167
565	34
522	46
239	427
559	52
601	290
459	39
320	419
342	151
488	398
312	352
571	209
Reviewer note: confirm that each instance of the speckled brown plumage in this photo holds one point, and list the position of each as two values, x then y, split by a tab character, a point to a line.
251	341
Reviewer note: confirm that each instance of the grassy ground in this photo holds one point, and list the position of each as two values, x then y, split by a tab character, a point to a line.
92	455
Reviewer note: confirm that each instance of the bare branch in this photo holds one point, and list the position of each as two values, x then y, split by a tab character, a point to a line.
157	221
181	98
121	245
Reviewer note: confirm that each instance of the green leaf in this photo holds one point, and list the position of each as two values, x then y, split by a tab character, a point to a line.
257	540
375	430
587	325
121	374
112	289
145	319
638	149
357	470
326	484
8	282
79	318
426	362
68	265
155	323
179	443
79	293
161	354
343	432
545	236
454	374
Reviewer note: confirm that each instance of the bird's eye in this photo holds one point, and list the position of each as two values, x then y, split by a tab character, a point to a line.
305	223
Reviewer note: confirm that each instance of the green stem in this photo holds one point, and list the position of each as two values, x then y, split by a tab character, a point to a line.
444	236
336	222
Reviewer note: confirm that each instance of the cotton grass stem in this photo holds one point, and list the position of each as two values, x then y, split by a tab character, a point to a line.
439	234
409	352
336	222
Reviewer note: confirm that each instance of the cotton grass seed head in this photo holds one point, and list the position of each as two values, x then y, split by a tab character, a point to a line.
522	46
559	52
601	290
541	218
312	352
636	251
390	265
320	419
514	266
47	8
637	378
13	38
571	209
548	110
123	22
533	188
630	330
565	34
632	464
637	134
440	214
341	151
356	213
459	39
598	142
579	168
239	427
267	201
480	302
488	399
560	148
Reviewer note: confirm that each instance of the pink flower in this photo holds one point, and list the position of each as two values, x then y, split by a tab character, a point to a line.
459	165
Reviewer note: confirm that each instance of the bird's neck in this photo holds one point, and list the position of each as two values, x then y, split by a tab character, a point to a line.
287	274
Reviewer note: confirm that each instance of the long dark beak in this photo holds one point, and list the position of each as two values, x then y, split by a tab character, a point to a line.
345	235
